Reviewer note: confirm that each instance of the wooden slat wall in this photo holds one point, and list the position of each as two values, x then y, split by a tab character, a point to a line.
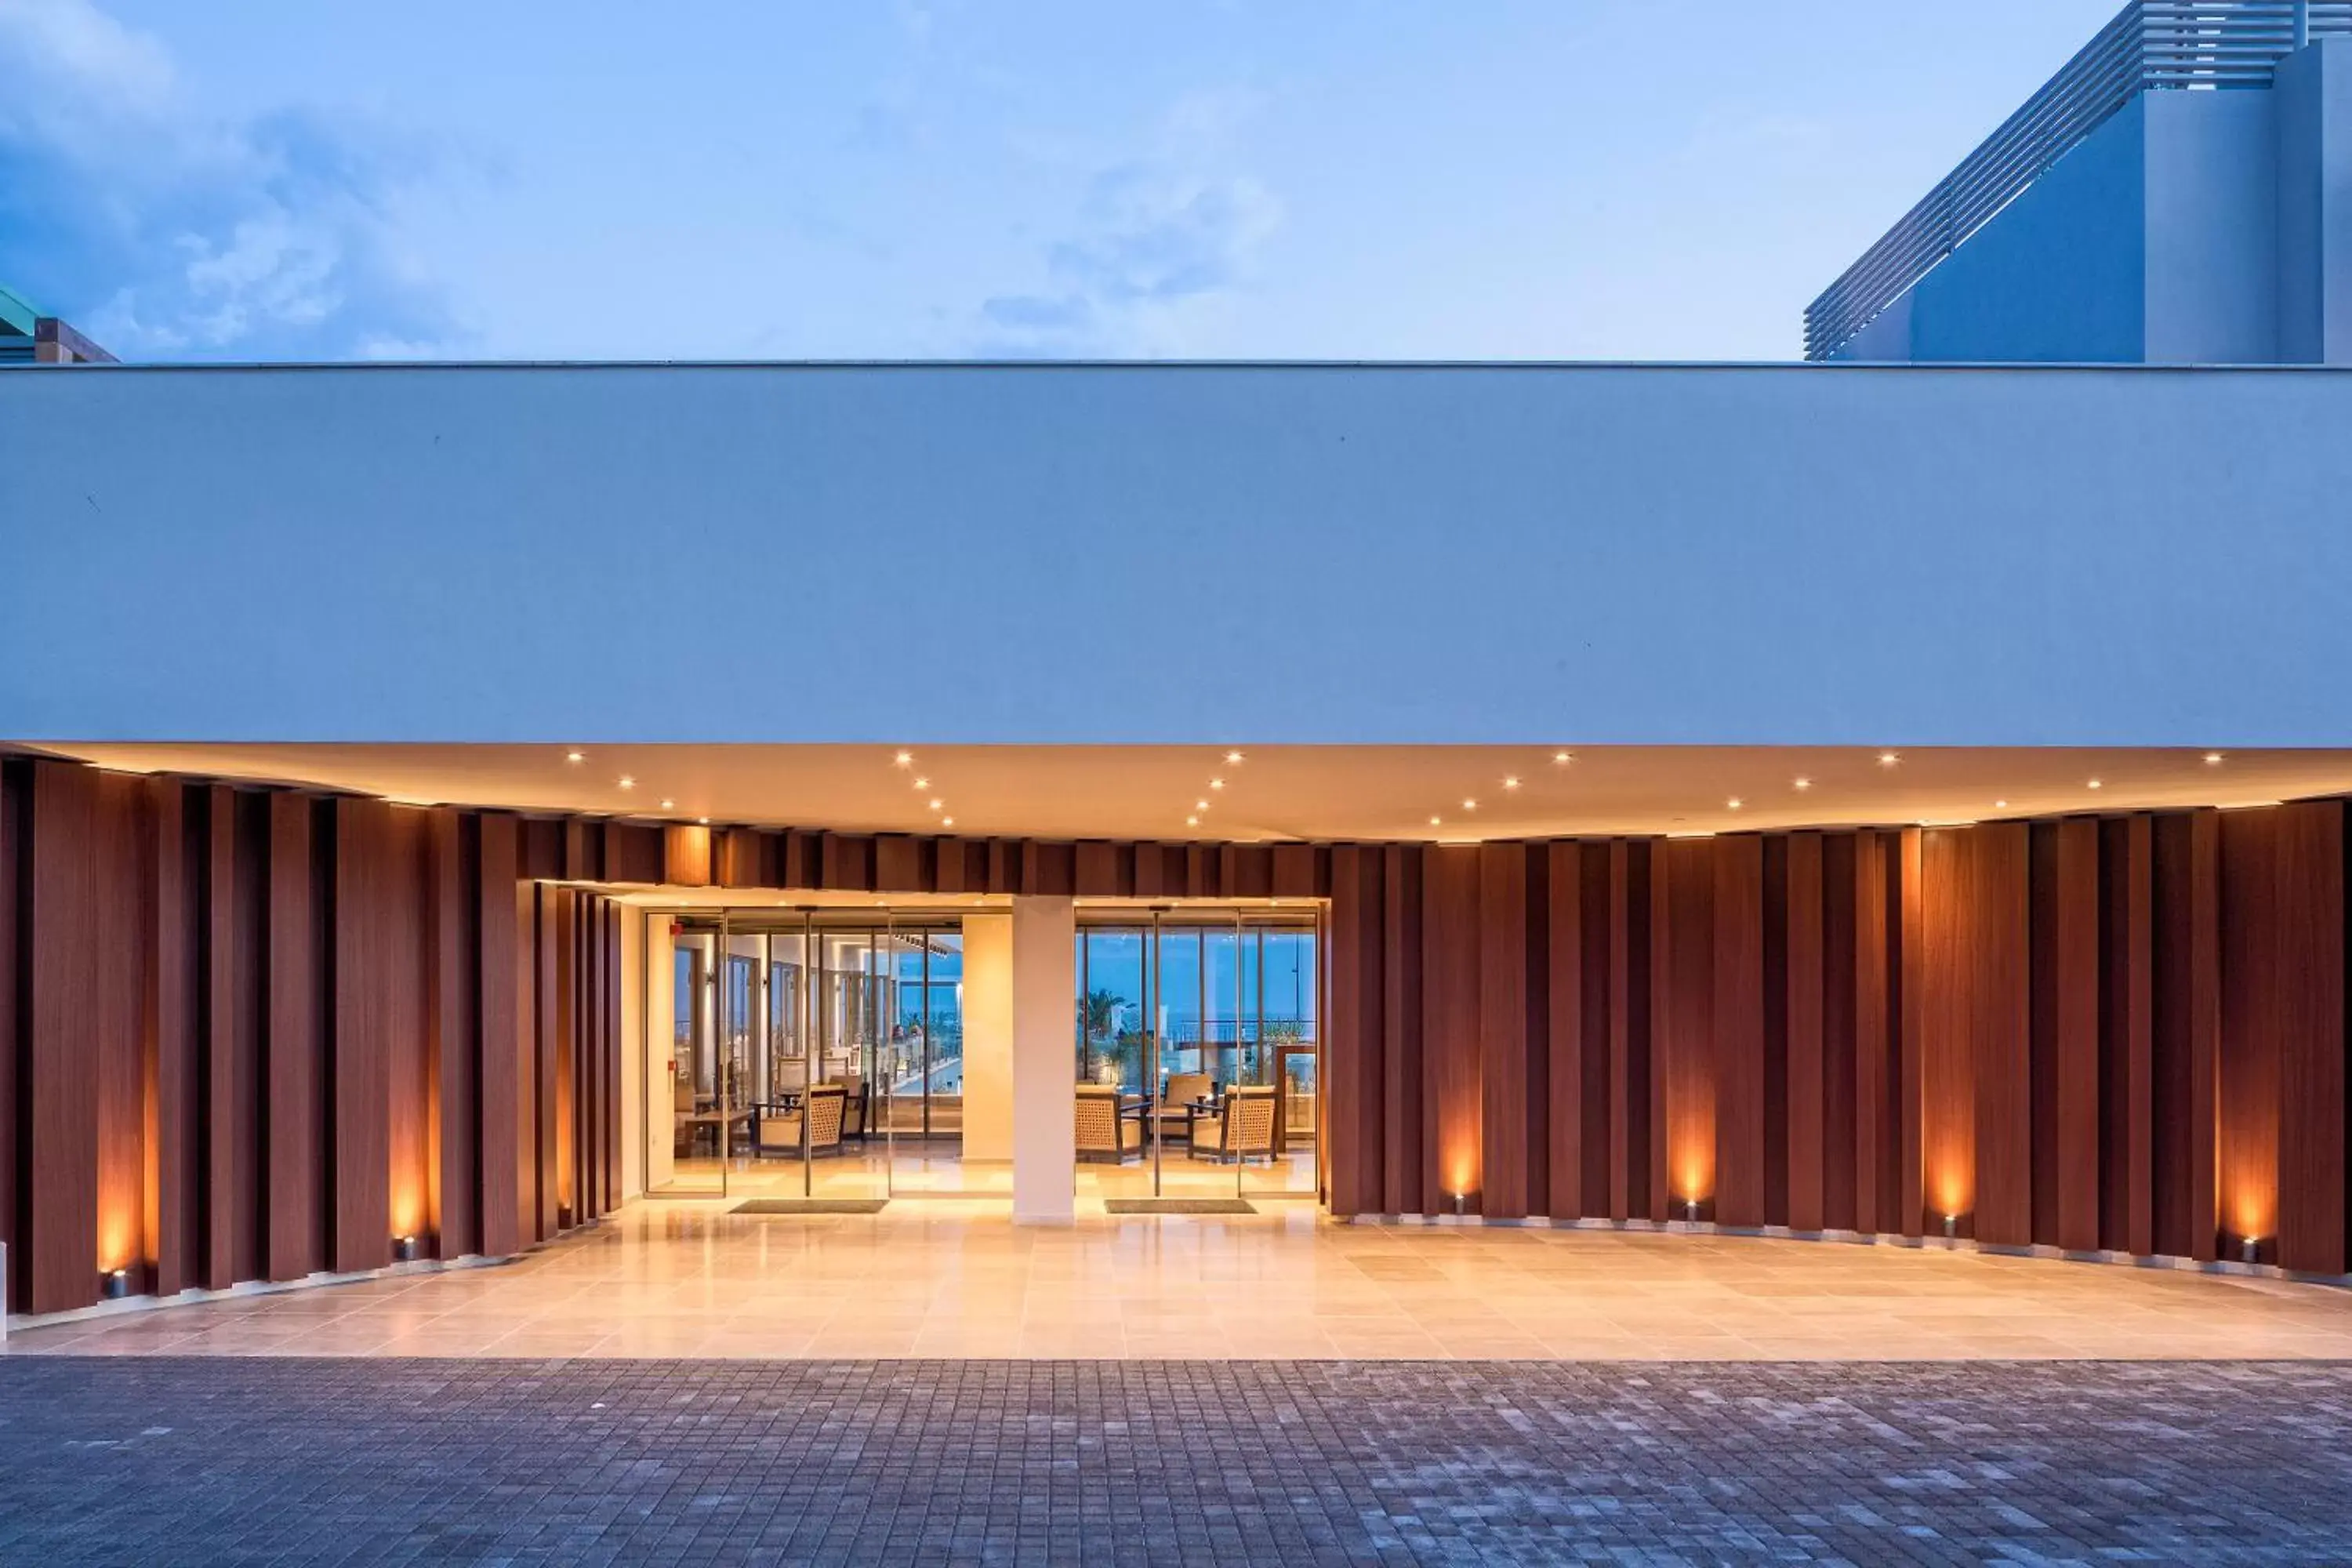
255	1029
250	1033
2077	1033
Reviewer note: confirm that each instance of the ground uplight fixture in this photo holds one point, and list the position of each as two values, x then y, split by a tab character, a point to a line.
116	1284
404	1249
1690	1211
1951	1228
1461	1203
2252	1249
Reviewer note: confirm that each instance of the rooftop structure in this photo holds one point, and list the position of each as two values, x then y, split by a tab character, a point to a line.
2177	193
28	337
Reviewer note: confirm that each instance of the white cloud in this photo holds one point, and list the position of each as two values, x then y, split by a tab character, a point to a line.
165	231
1156	239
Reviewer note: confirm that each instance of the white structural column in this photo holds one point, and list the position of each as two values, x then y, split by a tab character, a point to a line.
987	1037
1044	1106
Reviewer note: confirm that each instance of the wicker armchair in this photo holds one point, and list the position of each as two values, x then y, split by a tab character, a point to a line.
1243	1128
780	1129
1105	1130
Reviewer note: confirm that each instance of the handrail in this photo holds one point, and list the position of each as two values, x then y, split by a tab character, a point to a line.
2152	45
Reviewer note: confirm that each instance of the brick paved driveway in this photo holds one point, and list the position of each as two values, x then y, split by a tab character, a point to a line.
253	1460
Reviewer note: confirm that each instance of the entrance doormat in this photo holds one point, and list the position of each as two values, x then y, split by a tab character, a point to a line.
1176	1205
811	1205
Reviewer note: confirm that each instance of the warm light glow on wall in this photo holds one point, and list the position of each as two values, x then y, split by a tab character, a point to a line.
117	1240
407	1210
1461	1174
1694	1180
1948	1193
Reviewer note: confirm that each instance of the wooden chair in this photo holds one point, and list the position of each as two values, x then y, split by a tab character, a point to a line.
1243	1128
1105	1130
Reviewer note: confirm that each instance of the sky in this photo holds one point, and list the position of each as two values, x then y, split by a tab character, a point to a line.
954	179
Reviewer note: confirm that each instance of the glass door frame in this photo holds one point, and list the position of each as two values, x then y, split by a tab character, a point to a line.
1248	925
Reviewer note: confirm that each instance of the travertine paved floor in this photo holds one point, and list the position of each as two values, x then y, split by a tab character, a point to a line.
955	1279
352	1462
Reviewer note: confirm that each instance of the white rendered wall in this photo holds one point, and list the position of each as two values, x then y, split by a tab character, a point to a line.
661	1064
988	1036
633	1052
1800	554
1044	1077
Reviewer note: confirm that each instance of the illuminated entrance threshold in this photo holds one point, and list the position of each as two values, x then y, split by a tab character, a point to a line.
986	1186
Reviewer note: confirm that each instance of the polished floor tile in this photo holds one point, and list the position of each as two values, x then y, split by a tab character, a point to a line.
958	1279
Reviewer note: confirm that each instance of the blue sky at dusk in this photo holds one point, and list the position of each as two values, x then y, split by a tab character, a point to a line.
1573	179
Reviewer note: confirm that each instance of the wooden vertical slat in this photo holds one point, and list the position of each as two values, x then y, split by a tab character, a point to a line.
1807	1144
2308	933
296	1075
1566	1040
454	1047
2075	1111
2000	1033
1404	1166
411	967
1683	1162
58	1090
1632	1133
1359	1064
366	987
2185	961
504	1034
236	940
175	1130
560	1056
1450	997
1840	1030
2250	1058
1874	1071
1939	986
2138	966
615	1173
2204	1032
14	792
1911	1178
116	1036
1737	1033
1506	1060
544	1175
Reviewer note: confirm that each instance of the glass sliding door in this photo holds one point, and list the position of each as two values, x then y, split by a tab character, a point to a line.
688	1158
1281	1054
1206	1022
